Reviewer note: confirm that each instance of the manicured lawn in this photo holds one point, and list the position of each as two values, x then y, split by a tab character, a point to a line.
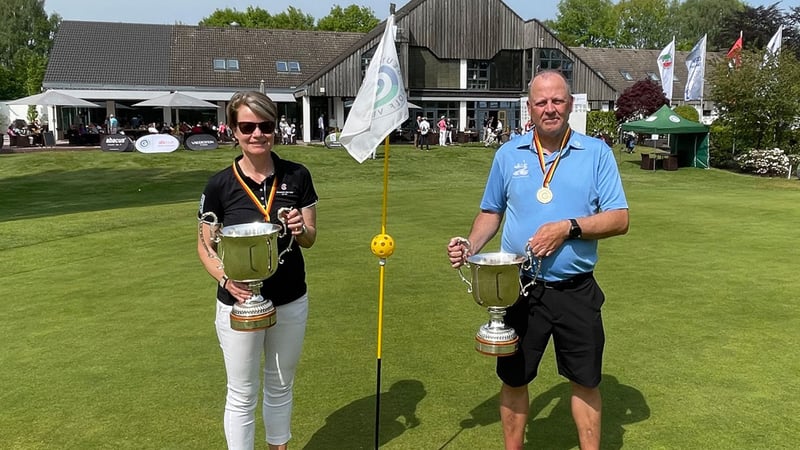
107	324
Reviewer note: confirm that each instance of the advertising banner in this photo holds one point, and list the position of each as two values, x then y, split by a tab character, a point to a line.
116	143
201	142
157	143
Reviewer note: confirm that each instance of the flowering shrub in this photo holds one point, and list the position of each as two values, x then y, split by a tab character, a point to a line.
769	162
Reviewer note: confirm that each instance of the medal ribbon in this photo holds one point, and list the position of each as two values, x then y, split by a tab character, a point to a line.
263	209
548	176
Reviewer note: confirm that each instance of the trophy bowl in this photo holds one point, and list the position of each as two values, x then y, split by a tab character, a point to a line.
495	285
249	254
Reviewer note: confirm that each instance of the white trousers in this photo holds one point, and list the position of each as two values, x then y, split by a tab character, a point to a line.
442	137
281	345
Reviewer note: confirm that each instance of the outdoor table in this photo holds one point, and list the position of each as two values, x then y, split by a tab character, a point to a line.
659	155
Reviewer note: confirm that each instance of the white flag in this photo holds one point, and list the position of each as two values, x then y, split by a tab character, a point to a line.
381	104
666	67
774	45
696	63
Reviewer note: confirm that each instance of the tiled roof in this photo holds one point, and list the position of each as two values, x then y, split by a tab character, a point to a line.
108	54
257	51
611	62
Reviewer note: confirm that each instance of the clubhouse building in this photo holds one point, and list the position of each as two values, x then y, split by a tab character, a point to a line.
464	59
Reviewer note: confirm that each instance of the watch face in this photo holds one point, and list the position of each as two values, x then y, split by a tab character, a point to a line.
574	230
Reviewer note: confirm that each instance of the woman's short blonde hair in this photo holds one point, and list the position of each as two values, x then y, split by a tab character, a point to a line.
259	103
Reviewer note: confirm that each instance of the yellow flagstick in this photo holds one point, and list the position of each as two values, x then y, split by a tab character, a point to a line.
382	247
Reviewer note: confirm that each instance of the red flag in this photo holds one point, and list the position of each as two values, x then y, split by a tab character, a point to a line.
736	51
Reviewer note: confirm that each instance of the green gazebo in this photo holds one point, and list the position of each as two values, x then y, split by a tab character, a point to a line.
688	139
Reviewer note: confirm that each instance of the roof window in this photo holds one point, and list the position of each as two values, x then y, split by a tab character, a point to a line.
287	66
226	64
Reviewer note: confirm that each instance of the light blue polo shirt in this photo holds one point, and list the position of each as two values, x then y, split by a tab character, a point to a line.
586	181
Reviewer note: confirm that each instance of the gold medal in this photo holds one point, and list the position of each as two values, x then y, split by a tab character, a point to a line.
544	195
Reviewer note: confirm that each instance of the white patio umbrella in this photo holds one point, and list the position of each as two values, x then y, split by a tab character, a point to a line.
178	101
53	98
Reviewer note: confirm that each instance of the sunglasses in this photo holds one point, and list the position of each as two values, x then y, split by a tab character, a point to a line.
266	127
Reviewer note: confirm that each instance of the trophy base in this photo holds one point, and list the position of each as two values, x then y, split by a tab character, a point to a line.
254	315
252	323
496	348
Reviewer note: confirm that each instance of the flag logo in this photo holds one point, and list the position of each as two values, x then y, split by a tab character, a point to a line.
666	61
388	87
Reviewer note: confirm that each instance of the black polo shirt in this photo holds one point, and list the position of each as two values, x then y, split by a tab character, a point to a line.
225	197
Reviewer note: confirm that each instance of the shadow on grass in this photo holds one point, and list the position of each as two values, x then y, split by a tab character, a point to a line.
354	424
622	405
57	192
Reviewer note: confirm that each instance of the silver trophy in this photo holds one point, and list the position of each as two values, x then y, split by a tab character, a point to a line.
496	285
249	254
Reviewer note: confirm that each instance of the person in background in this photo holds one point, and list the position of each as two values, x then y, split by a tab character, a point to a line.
442	127
424	134
113	124
254	188
285	130
555	193
321	126
630	143
416	131
449	139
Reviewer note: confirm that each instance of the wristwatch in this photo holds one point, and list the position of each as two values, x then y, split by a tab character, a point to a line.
574	229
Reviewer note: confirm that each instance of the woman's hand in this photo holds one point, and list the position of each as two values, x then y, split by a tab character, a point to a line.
294	221
239	291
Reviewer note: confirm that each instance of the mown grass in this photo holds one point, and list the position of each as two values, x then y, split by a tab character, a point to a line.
107	324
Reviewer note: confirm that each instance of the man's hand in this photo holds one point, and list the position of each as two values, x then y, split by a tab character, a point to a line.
548	238
458	249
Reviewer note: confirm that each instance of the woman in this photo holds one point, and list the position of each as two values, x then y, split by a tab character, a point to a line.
254	188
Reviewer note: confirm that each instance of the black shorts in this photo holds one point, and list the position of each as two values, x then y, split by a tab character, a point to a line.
571	314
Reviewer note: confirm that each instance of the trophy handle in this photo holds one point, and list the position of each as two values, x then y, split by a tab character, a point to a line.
528	265
282	212
214	237
466	243
464	279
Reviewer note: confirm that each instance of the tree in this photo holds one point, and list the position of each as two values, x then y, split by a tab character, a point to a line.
757	25
603	122
697	17
758	104
644	23
587	23
252	17
293	19
26	36
687	112
640	100
355	18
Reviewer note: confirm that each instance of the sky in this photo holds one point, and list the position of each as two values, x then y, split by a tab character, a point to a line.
189	12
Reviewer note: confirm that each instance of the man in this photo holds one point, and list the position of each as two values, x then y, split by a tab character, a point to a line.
321	126
562	192
424	129
113	124
416	132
